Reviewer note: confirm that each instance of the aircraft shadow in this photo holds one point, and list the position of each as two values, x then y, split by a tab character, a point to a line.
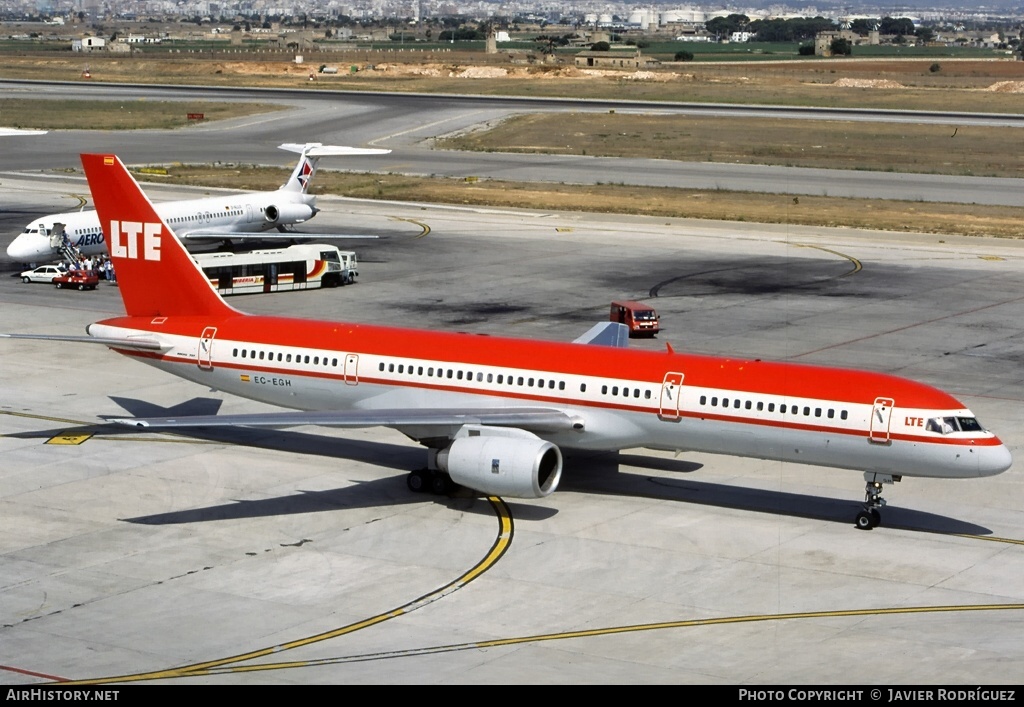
601	474
594	473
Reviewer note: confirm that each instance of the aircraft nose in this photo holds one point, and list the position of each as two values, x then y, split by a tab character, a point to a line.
994	460
23	250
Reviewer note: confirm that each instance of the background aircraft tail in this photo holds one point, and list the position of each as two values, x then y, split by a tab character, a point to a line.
155	274
311	152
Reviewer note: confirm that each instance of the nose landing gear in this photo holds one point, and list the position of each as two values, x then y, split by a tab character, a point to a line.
871	517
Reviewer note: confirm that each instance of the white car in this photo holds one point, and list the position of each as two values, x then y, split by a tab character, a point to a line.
44	273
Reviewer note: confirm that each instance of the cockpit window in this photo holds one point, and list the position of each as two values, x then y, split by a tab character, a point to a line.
969	424
942	425
945	425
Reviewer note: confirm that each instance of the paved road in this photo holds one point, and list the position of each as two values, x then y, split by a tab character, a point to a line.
405	124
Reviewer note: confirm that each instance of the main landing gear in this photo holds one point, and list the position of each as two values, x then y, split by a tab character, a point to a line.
430	481
871	516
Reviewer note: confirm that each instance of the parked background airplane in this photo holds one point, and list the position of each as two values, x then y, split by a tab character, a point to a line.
251	216
13	132
495	413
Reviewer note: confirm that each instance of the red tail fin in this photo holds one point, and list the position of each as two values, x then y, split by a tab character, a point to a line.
155	274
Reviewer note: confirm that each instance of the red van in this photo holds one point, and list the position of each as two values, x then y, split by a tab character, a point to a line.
641	318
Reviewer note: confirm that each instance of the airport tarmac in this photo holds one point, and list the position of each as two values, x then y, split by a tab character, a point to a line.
300	557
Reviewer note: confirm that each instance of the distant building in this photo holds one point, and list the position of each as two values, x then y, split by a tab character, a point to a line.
612	59
88	44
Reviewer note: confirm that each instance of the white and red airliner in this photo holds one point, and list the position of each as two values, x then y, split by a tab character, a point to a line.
496	412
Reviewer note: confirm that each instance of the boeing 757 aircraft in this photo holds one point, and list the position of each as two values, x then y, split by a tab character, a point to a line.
255	216
495	413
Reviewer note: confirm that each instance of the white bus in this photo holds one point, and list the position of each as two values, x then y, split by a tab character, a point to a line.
297	267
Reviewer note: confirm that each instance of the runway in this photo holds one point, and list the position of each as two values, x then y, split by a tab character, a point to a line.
300	557
406	123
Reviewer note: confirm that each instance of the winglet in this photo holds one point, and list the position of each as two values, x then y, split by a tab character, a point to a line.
155	274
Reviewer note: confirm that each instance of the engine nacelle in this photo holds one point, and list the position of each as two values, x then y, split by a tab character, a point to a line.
520	466
288	213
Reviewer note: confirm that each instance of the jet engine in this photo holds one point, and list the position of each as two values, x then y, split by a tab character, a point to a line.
521	465
288	213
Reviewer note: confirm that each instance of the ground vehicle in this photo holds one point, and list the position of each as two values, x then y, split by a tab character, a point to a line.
78	279
641	318
44	273
297	267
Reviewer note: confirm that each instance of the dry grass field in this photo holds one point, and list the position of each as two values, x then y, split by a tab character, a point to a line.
960	219
898	147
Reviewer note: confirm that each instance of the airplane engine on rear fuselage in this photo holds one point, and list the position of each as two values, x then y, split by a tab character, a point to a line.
288	213
503	462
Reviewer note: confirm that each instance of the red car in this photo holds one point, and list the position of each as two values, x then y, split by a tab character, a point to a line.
80	279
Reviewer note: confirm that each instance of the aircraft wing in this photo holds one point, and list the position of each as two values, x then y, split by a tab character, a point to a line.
536	419
605	334
268	236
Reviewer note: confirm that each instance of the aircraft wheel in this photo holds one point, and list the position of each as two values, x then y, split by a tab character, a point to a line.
876	517
440	484
865	521
417	480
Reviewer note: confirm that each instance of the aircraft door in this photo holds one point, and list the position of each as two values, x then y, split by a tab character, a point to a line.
352	369
671	392
205	353
881	416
